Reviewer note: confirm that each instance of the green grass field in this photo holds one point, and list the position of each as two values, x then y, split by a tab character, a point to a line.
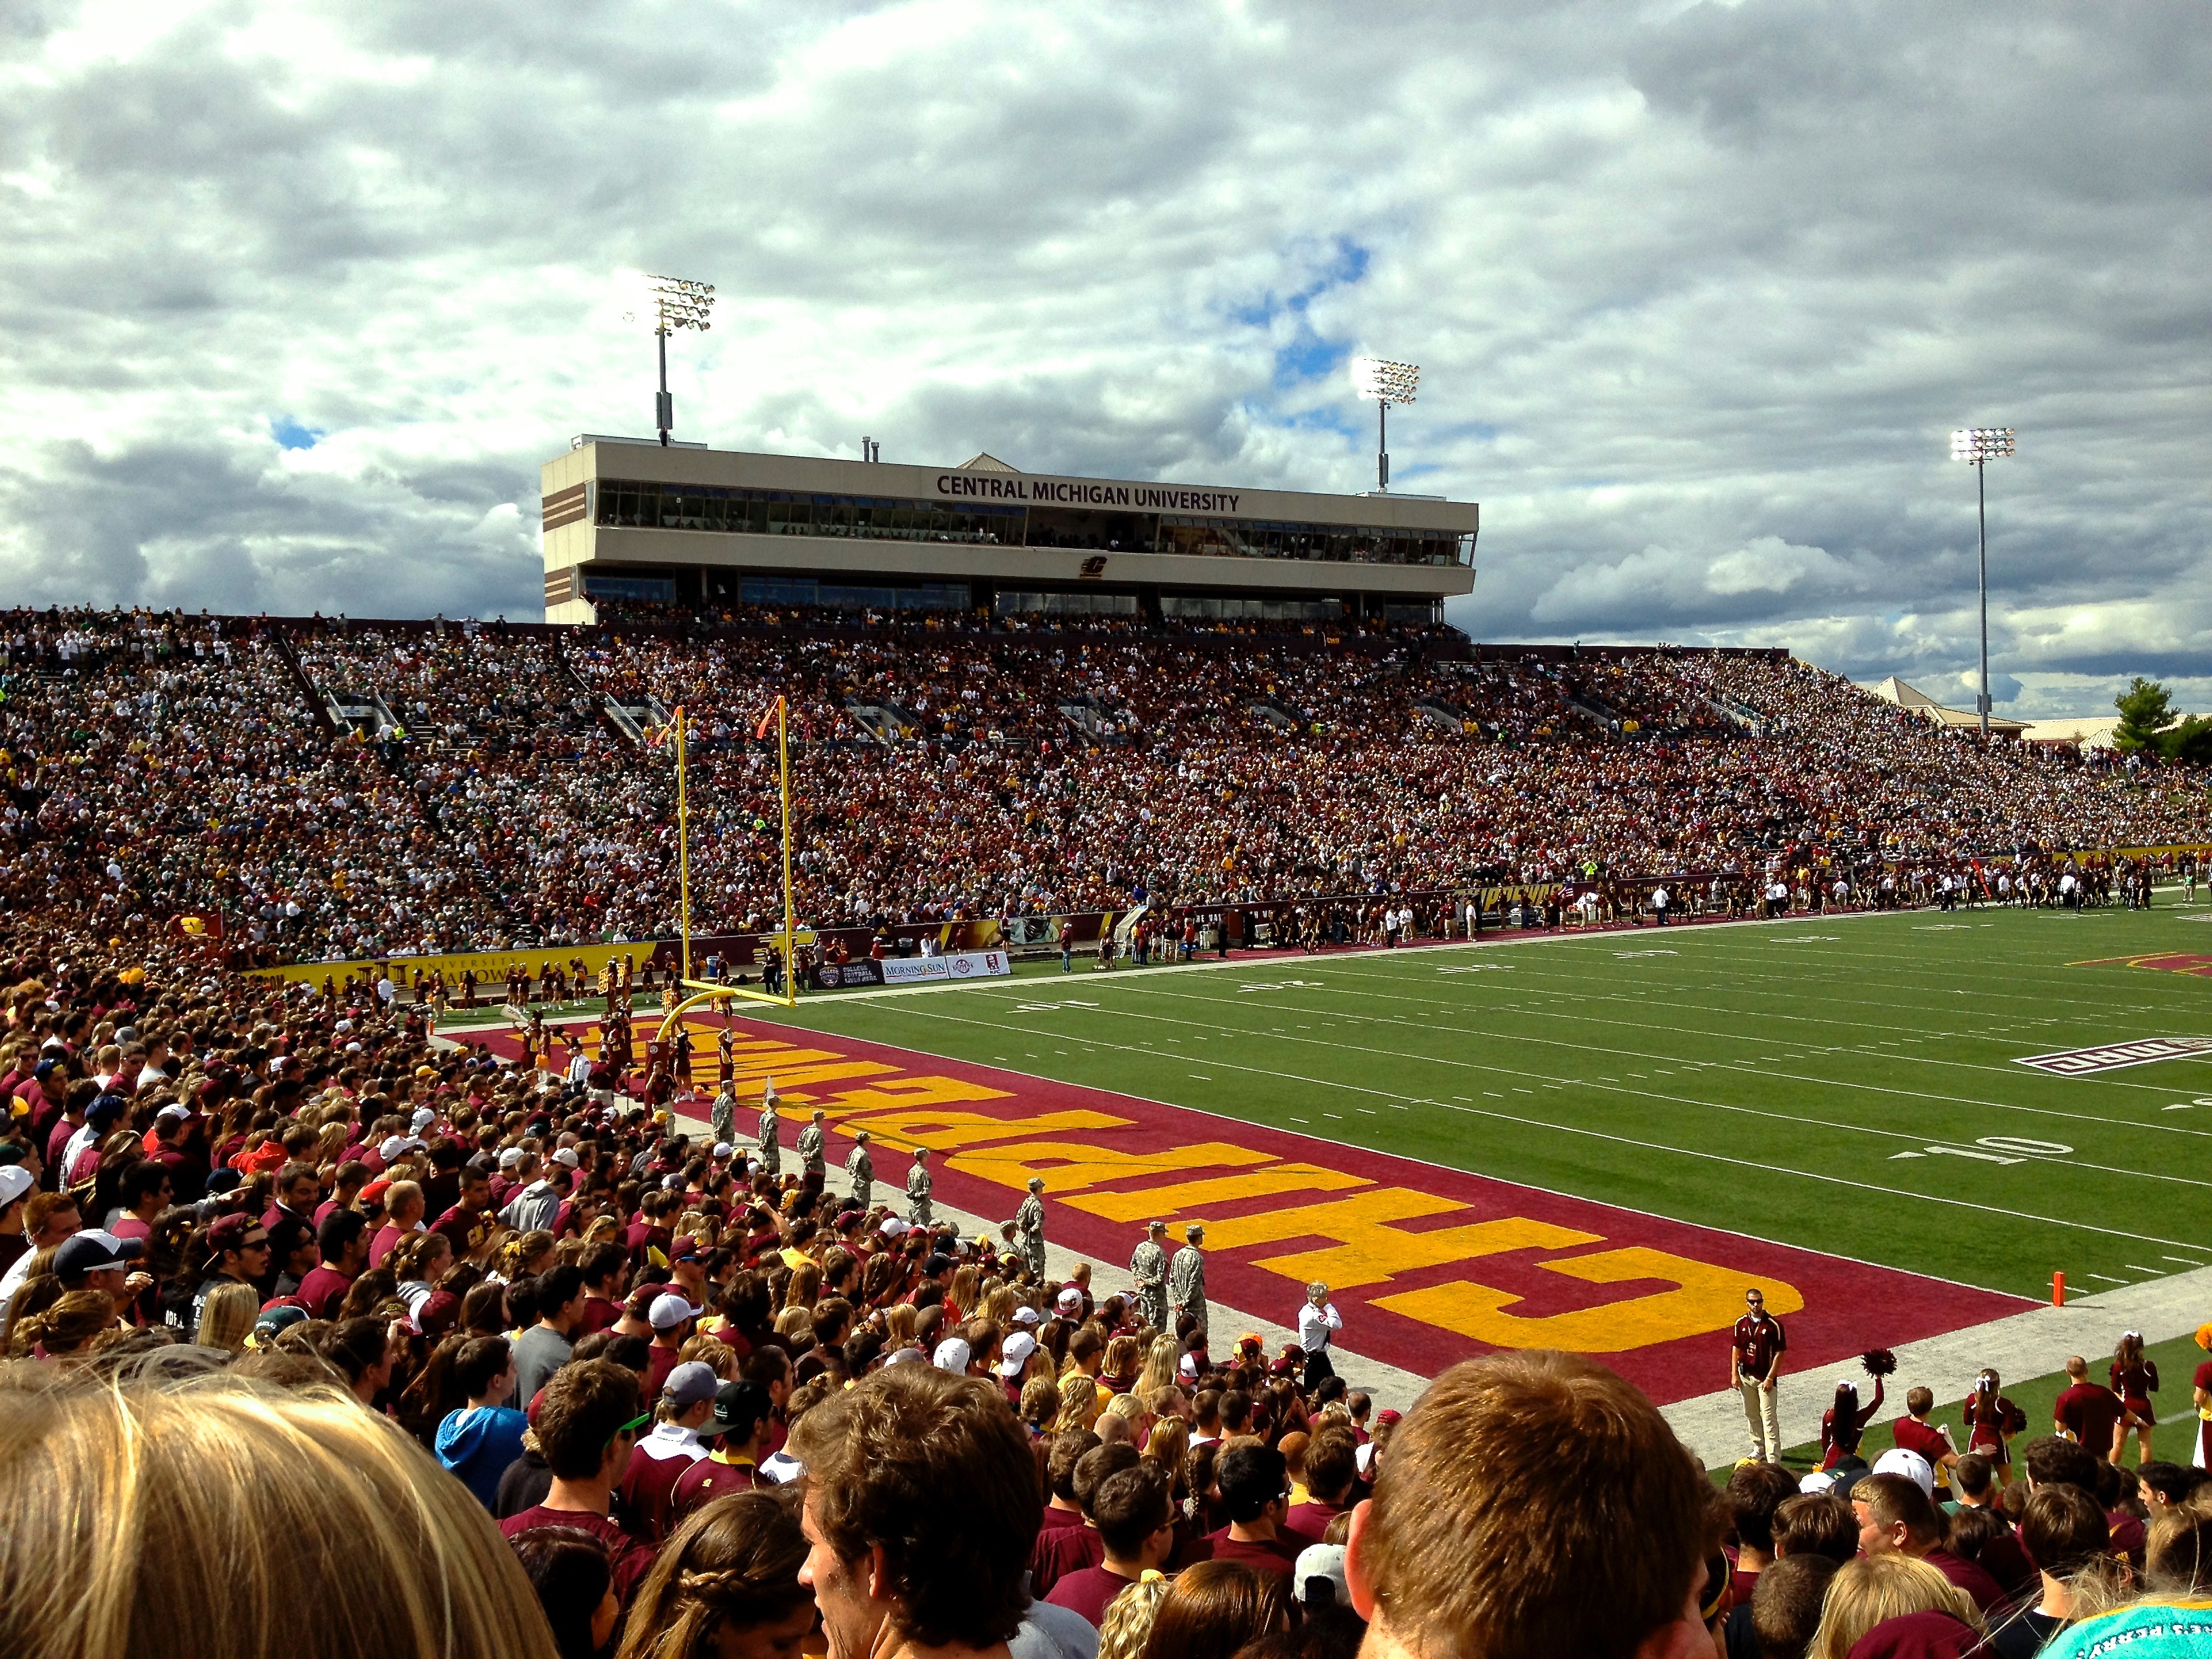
1847	1086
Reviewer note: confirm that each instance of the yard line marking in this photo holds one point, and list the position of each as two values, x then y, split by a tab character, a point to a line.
1711	1105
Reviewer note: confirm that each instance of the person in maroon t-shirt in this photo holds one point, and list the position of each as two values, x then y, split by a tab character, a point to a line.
1932	1441
342	1244
2088	1413
2201	1393
1135	1512
673	1319
662	1458
1896	1517
1256	1490
467	1224
732	1433
586	1422
1064	1550
606	1266
1331	1467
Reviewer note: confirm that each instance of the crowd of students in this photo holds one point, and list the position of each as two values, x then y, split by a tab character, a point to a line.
156	765
323	1339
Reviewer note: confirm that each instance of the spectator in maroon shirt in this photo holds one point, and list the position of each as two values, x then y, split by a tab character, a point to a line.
1071	1549
586	1427
403	1209
342	1244
1331	1468
467	1224
662	1457
605	1268
1135	1517
2088	1413
1896	1517
298	1191
346	1184
1255	1491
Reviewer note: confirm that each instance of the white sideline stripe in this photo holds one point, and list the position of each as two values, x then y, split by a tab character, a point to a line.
2020	1346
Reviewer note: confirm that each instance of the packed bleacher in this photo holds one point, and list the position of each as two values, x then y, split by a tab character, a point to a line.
333	789
326	1339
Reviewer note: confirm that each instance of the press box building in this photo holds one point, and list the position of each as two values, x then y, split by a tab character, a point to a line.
694	527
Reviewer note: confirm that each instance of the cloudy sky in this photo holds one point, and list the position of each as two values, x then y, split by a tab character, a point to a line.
293	298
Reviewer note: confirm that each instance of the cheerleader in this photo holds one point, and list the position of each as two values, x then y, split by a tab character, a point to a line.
2134	1379
1991	1422
1844	1423
2201	1395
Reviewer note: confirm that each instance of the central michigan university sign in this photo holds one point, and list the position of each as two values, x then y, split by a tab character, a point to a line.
1077	492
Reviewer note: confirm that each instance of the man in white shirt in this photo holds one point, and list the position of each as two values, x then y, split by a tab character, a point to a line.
1659	899
1318	1322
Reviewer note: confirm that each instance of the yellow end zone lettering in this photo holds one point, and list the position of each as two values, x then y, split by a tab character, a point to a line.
1704	1298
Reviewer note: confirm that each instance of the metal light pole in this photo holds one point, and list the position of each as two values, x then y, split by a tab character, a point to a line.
1385	383
676	303
1978	446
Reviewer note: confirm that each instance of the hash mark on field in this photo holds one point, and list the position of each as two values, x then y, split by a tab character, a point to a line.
1338	1116
1369	1111
2108	1279
1492	1094
1469	1098
2185	1261
2140	1268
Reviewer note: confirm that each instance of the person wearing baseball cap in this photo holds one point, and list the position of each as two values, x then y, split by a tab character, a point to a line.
17	1184
661	1459
1015	1353
97	1260
732	1433
672	1318
237	1251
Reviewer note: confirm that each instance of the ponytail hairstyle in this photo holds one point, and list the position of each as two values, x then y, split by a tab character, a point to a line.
2131	1350
73	1320
734	1563
1985	1392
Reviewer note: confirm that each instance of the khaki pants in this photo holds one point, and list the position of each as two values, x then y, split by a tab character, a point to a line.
1759	1413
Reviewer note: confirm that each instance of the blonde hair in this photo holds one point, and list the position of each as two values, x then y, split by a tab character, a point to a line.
200	1516
1159	1368
1871	1588
1078	1403
1129	1622
898	1325
227	1317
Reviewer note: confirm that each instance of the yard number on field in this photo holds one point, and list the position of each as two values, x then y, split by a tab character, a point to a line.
1994	1149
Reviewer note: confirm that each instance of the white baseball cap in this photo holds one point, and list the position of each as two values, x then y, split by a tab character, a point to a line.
669	1310
952	1355
1899	1460
1018	1349
15	1182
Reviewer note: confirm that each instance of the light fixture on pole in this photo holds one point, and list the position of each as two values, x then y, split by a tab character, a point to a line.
676	303
1978	445
1383	383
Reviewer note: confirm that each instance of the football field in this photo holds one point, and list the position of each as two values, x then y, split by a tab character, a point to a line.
1850	1086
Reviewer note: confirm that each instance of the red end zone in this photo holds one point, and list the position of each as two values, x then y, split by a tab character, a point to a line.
1428	1265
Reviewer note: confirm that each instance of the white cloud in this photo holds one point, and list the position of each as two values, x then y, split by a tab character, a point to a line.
1697	289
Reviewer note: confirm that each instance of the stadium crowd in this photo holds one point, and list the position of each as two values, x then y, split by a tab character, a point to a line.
158	765
323	1339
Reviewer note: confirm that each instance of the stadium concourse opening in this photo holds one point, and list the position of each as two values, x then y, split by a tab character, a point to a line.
694	531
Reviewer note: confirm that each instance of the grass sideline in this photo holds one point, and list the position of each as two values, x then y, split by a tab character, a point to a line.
2177	1361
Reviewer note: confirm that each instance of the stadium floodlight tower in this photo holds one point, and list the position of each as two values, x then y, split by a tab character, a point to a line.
676	303
1978	445
1382	382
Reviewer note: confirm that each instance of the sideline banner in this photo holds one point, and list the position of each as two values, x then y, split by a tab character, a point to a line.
962	964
